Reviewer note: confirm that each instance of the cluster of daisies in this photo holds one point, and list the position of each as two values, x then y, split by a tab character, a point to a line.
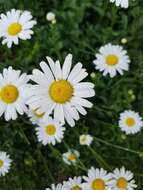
99	179
17	24
58	96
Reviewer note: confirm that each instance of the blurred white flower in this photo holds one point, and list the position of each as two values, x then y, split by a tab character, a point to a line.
122	3
85	139
34	116
51	17
124	40
71	156
5	163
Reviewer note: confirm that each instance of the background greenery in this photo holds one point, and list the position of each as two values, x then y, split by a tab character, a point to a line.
82	27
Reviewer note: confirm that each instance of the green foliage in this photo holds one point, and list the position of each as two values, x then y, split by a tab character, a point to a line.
82	27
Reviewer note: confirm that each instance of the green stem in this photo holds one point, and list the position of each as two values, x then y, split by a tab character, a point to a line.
117	146
99	159
47	168
23	135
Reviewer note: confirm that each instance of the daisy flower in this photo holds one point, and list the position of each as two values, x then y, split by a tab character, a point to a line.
85	140
60	90
71	157
97	179
122	3
55	187
112	59
13	93
130	122
5	163
16	24
122	180
73	184
34	116
49	131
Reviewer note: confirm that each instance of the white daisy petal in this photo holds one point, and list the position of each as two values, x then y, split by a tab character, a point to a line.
73	183
67	66
55	187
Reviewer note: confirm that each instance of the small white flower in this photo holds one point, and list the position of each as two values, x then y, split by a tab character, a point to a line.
59	91
34	116
49	131
51	16
5	163
73	184
122	180
13	93
122	3
14	25
55	187
124	40
85	139
130	122
71	157
97	179
112	59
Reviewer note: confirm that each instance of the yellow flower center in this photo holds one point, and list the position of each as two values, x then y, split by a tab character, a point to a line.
130	122
98	184
72	157
61	91
9	94
50	129
38	115
76	188
14	28
1	163
112	60
122	183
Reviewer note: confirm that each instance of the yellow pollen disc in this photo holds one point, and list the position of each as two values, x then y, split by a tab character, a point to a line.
38	115
14	29
1	163
130	122
112	60
61	91
72	157
76	188
98	184
122	183
9	94
50	130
